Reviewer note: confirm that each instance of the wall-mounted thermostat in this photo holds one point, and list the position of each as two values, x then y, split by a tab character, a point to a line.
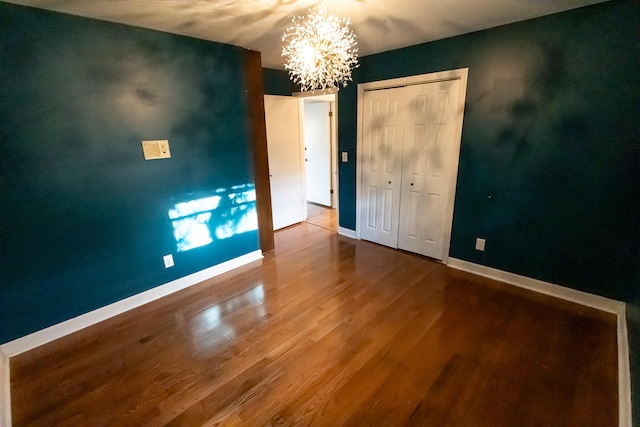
156	149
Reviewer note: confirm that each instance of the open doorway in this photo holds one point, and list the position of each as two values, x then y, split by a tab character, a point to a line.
318	118
317	152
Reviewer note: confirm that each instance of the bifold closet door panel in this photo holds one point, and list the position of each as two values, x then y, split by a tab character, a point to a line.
381	162
429	145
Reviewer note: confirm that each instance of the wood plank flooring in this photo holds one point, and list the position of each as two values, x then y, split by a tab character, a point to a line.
331	331
322	216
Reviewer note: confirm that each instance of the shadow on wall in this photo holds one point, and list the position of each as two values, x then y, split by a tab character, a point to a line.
552	153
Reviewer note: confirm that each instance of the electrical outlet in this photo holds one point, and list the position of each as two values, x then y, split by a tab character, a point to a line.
168	261
164	149
345	157
480	244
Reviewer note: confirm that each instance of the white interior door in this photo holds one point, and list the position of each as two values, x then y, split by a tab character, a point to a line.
285	166
427	166
381	163
317	141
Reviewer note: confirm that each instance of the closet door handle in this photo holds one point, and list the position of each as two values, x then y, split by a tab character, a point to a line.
412	184
389	182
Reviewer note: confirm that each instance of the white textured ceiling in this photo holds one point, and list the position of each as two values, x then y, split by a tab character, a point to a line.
380	25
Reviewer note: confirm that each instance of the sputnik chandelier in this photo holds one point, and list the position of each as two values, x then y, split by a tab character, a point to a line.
320	50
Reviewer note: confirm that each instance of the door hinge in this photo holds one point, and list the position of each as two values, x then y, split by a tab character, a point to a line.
330	113
331	191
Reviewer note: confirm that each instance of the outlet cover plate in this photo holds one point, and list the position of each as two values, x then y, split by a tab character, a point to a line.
480	244
168	261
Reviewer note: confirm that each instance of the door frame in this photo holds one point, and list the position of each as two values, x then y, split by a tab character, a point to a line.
331	96
462	75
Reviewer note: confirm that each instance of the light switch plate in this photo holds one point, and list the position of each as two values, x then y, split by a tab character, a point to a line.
156	149
345	157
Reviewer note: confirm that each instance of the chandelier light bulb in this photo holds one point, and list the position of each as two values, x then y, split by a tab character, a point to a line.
320	50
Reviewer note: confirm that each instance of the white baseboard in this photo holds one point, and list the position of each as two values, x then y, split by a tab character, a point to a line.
594	301
583	298
624	372
52	333
347	232
5	391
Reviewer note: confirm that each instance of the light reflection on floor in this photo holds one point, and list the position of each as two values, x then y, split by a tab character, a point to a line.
210	331
197	222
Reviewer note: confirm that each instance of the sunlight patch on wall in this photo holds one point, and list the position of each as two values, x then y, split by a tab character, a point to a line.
199	221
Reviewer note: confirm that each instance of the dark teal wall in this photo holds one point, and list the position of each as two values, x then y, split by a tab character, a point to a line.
549	166
84	218
277	82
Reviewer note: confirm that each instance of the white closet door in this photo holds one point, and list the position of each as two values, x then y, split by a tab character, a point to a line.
382	137
429	151
285	160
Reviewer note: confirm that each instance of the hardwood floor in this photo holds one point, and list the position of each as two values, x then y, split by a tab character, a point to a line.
331	331
322	216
